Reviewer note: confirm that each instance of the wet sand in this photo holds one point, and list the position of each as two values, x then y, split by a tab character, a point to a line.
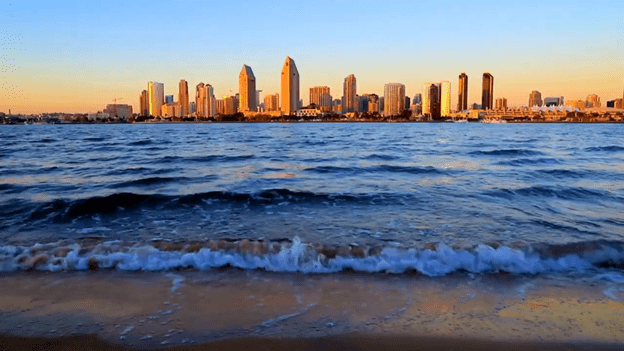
232	309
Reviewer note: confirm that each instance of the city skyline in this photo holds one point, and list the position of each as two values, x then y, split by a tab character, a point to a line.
78	58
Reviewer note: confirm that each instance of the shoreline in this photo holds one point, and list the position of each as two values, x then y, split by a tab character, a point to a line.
236	309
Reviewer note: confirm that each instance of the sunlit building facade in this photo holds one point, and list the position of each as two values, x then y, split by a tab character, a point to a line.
290	87
321	97
349	94
247	90
445	98
183	98
205	101
462	103
487	92
535	99
593	100
501	104
394	99
271	103
156	97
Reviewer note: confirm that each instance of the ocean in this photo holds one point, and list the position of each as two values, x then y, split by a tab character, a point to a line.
430	199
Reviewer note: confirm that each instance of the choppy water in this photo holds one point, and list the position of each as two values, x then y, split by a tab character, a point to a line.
313	197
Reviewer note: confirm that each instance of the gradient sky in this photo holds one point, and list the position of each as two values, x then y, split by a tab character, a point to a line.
76	56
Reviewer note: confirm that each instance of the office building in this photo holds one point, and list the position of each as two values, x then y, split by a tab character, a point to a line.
349	103
321	98
192	108
290	87
535	99
417	99
373	103
205	101
156	96
408	101
183	98
431	95
501	104
144	104
426	104
593	101
487	91
118	111
445	98
271	103
231	104
394	99
169	99
247	90
577	104
462	103
553	101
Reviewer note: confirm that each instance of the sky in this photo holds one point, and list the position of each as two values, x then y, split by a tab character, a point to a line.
77	56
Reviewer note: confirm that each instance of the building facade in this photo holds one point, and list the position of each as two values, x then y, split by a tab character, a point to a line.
501	104
445	98
247	90
290	87
394	99
183	98
487	91
118	111
205	101
271	103
321	97
156	97
535	99
144	104
432	95
593	101
349	87
462	103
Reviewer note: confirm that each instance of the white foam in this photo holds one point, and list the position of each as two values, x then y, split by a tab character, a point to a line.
300	257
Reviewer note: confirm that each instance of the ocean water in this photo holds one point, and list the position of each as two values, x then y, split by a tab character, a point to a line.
314	198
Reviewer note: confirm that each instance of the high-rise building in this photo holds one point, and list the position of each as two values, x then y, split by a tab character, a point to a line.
381	104
192	108
290	87
205	101
487	91
220	106
426	103
535	99
501	104
144	103
394	99
231	105
577	104
417	99
553	101
432	96
407	103
321	98
156	96
169	99
247	90
373	103
593	101
183	98
349	94
462	103
271	102
445	98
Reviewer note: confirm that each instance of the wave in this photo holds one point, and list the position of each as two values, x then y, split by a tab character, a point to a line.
141	142
202	159
296	256
66	210
94	139
508	152
529	162
375	169
611	148
150	181
564	193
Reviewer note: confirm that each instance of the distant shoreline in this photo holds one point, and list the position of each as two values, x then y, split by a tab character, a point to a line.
316	122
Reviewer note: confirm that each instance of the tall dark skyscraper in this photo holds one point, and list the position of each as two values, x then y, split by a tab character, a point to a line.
434	101
462	103
487	97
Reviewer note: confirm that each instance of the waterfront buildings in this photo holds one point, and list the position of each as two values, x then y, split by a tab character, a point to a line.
553	101
271	103
431	95
462	104
118	111
445	98
417	99
192	108
576	104
144	104
350	102
231	105
183	98
205	101
169	99
156	97
593	101
373	103
290	87
535	99
501	104
247	90
394	99
426	103
487	91
321	97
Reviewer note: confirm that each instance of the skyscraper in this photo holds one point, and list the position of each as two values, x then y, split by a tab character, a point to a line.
144	111
417	99
156	96
432	94
501	104
426	104
445	98
247	90
290	87
373	103
205	101
487	97
394	99
168	99
321	98
462	104
271	102
349	94
535	99
183	98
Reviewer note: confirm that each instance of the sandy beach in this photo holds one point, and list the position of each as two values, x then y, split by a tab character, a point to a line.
233	309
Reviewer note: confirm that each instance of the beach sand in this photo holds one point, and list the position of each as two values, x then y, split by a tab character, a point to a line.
233	309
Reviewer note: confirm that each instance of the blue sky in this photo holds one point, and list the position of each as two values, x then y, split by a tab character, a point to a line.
77	56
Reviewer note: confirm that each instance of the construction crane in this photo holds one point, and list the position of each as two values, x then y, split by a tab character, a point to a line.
115	104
